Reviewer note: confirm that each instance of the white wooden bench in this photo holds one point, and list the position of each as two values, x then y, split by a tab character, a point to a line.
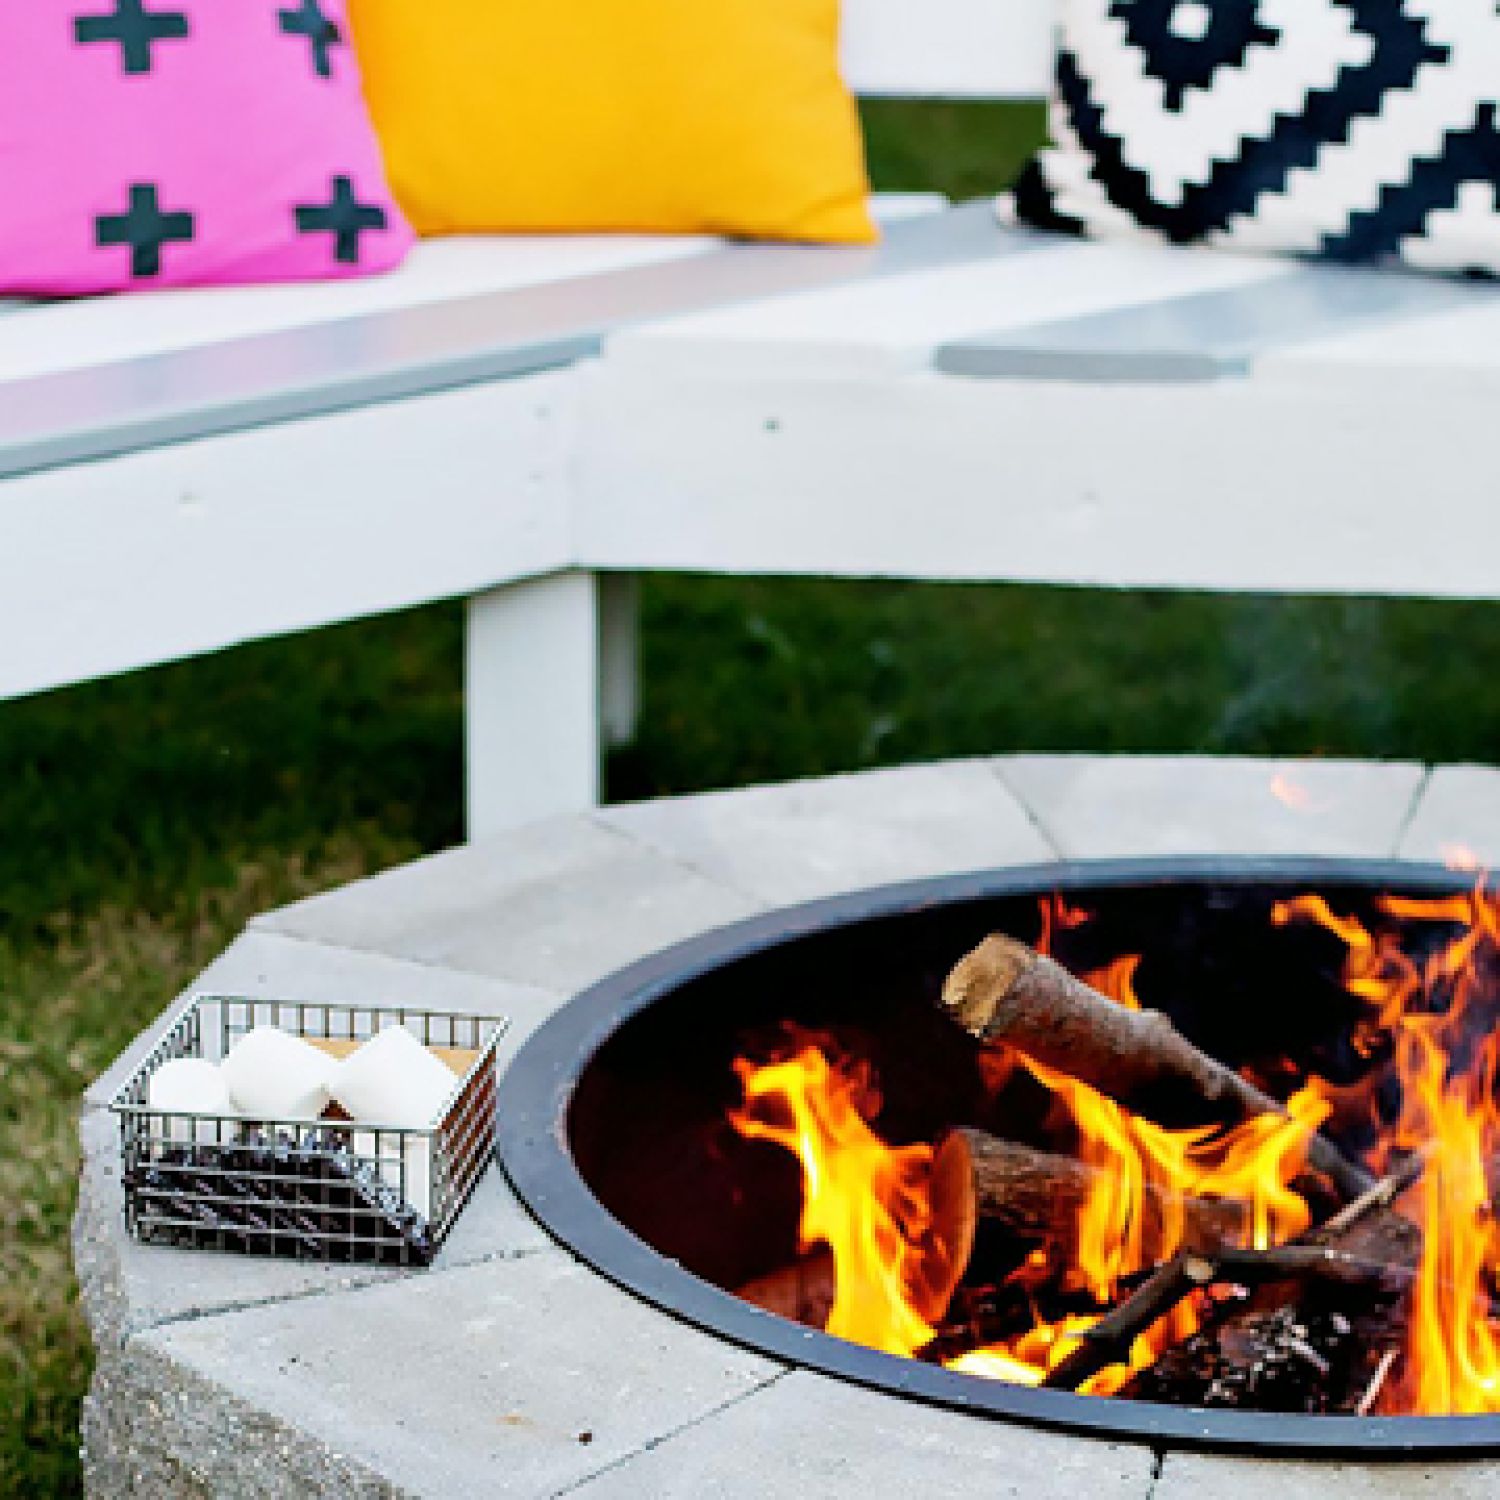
529	423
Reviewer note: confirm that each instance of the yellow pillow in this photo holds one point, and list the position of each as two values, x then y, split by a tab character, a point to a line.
690	116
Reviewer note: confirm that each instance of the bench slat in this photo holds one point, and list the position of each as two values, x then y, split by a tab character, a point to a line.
1211	335
898	324
72	334
89	414
1459	343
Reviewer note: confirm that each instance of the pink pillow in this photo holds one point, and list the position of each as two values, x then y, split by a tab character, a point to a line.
152	143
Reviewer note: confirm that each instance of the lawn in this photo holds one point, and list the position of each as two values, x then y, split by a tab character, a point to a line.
147	818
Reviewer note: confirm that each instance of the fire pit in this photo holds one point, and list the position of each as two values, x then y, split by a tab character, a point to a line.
511	1367
1267	1229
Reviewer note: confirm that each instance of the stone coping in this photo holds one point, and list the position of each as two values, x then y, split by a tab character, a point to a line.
509	1368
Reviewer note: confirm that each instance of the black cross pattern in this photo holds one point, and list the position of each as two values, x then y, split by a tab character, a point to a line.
345	218
145	228
308	20
136	29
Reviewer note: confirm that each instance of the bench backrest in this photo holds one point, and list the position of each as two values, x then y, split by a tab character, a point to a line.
956	49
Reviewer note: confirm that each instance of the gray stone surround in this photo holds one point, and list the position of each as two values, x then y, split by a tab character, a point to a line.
508	1368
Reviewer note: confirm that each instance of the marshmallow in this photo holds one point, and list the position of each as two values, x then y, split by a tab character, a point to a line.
189	1086
273	1075
394	1080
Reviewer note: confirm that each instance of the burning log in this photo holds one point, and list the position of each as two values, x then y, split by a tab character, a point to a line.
1324	1304
802	1292
1038	1195
1299	1357
1109	1341
1369	1226
1006	993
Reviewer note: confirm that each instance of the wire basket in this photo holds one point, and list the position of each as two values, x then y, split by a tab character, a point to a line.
314	1189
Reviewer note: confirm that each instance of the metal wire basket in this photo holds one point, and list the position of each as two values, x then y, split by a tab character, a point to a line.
313	1189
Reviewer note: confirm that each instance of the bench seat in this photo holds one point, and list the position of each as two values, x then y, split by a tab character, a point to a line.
1117	414
47	337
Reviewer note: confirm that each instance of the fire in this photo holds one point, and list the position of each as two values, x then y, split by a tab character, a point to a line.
1135	1218
1026	1360
868	1202
1430	983
871	1204
1434	1023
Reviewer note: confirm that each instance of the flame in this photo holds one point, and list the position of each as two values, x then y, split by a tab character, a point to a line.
1435	1020
868	1202
1026	1360
1431	1036
1058	915
1250	1164
1136	1215
871	1203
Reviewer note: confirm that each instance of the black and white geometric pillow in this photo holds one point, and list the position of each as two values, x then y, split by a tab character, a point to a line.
1352	130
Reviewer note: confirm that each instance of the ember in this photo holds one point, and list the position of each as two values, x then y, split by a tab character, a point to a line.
1185	1235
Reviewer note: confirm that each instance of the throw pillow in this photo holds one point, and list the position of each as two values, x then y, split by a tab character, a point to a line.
692	116
1351	130
151	143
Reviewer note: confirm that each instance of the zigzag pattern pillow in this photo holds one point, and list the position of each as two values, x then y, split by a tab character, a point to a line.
1352	130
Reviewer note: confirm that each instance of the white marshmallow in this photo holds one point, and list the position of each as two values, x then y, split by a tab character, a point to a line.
273	1075
394	1080
189	1086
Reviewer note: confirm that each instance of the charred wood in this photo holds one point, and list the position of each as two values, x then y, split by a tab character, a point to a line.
1303	1343
802	1292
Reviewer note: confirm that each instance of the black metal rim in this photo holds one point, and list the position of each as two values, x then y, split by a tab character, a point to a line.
533	1149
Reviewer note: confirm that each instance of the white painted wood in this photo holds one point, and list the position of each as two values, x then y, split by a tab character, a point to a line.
619	656
894	324
532	696
1461	346
44	338
160	555
1232	485
47	337
987	49
896	208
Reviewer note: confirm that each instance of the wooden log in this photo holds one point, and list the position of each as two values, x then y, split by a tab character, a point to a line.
1303	1342
1005	993
1110	1340
802	1292
949	1241
1037	1194
1370	1228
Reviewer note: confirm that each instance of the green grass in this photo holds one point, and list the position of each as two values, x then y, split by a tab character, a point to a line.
963	150
145	819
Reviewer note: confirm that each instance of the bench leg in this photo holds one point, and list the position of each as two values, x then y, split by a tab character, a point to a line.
619	656
532	699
